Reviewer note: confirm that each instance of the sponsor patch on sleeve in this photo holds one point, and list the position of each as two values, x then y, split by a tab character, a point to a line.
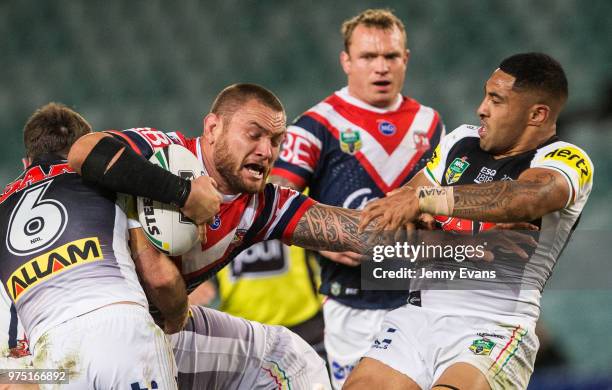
575	159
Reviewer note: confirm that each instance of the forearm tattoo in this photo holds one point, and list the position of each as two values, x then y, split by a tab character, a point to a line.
504	201
330	228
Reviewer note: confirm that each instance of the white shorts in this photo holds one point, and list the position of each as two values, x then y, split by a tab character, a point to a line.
220	351
422	343
349	334
114	347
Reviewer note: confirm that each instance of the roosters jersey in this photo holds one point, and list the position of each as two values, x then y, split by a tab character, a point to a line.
459	160
349	153
64	248
243	219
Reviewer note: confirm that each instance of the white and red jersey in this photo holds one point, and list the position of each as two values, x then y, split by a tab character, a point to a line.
243	220
349	153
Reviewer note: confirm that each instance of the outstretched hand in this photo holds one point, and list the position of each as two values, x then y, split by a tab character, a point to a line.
400	208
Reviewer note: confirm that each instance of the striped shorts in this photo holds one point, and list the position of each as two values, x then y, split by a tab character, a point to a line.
220	351
422	343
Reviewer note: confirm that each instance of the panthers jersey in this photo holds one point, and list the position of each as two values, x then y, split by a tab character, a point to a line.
460	160
243	219
349	153
64	250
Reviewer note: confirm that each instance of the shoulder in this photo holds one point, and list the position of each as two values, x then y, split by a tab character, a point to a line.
461	133
563	154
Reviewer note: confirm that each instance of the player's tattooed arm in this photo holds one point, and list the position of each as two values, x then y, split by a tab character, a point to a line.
282	181
536	193
334	229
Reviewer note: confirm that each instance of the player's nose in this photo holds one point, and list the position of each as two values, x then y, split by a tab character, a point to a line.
482	110
381	65
264	148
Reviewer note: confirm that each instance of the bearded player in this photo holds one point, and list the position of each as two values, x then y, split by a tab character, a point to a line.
241	139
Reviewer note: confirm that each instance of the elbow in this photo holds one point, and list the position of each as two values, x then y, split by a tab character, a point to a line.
529	212
522	212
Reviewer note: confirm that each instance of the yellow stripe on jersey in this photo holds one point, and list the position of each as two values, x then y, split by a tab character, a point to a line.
575	159
434	161
52	263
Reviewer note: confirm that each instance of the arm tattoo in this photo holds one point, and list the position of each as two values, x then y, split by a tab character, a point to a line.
505	201
330	228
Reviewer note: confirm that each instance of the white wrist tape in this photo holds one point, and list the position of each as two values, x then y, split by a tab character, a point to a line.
436	200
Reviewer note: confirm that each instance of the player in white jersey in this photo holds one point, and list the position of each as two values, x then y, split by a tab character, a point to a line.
241	139
67	269
484	338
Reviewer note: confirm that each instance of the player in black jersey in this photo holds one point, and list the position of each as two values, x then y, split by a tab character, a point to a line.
511	168
66	266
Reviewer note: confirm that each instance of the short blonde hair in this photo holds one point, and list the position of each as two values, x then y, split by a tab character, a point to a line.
383	19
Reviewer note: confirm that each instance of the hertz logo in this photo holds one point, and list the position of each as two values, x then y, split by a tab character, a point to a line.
51	263
575	159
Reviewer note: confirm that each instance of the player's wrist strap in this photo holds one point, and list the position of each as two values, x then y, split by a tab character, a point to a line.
436	200
132	174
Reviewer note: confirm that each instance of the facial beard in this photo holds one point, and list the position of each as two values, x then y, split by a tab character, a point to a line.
229	168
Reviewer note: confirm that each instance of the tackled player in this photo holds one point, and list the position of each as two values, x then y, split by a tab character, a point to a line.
241	139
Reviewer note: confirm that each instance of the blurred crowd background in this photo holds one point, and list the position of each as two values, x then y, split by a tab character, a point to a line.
160	63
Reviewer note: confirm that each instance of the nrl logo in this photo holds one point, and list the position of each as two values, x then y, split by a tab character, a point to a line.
350	141
456	169
482	346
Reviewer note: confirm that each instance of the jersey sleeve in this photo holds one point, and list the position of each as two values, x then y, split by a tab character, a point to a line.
127	203
434	169
572	162
282	209
301	151
145	140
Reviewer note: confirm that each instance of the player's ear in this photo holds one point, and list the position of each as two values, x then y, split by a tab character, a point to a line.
406	56
538	115
345	62
213	126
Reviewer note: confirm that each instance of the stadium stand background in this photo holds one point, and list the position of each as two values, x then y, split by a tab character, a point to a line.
160	63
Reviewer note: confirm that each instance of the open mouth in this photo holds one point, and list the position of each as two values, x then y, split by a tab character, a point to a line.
482	131
255	170
383	83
